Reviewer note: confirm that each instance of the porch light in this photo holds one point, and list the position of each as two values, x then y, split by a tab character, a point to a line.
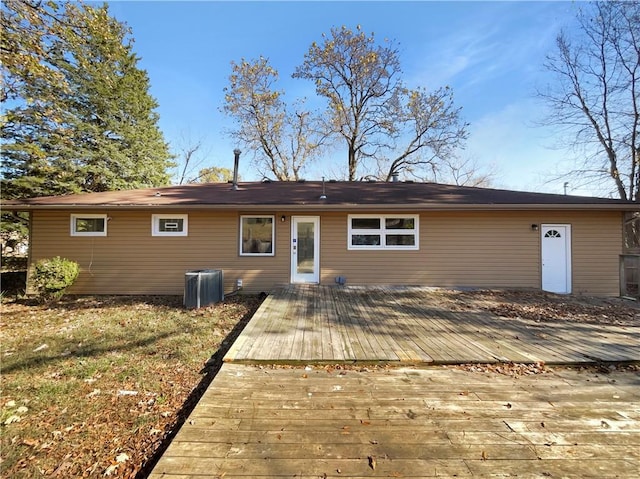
534	227
283	218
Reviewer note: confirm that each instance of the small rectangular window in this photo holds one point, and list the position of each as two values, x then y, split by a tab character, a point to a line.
365	223
383	232
89	225
399	223
366	240
169	225
400	240
256	235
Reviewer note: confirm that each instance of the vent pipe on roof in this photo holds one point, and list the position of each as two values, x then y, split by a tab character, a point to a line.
395	177
236	162
323	196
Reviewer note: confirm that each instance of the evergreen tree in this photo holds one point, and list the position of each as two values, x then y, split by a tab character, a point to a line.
90	127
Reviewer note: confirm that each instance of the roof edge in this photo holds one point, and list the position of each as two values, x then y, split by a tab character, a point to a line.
335	207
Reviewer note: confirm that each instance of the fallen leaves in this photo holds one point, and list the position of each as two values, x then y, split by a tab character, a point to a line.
542	307
124	392
30	442
93	386
110	470
93	393
12	413
11	419
97	388
514	370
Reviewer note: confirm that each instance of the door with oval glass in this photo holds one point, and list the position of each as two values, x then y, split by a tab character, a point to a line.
305	249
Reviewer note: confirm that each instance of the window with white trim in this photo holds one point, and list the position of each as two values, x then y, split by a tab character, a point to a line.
89	225
169	225
257	235
391	232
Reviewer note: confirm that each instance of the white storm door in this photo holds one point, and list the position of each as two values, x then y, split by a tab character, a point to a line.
305	249
556	258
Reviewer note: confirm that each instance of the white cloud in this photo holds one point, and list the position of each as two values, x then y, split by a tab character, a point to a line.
485	45
447	58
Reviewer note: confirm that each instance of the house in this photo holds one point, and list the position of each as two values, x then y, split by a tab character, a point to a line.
262	234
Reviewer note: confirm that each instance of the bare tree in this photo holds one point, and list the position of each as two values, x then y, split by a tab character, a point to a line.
193	162
596	98
386	126
463	172
428	132
283	141
359	81
187	162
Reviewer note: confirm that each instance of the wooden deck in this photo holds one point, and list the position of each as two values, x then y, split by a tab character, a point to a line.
280	407
260	421
325	324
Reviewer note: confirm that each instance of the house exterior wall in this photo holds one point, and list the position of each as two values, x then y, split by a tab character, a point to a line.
477	249
129	260
481	249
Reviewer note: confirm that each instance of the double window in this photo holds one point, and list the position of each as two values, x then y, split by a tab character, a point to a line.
88	225
393	232
256	235
169	225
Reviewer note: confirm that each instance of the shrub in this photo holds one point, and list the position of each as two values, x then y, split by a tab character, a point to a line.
53	276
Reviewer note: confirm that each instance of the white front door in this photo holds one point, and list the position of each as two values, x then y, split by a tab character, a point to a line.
556	258
305	249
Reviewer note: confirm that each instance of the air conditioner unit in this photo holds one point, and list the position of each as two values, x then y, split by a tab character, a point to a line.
203	287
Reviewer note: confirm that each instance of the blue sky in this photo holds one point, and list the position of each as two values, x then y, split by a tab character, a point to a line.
490	53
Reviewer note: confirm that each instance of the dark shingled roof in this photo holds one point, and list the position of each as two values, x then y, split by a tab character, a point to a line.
306	195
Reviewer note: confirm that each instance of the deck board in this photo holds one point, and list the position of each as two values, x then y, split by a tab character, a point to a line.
315	324
271	422
280	406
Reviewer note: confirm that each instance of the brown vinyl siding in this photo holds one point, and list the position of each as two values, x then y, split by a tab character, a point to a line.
477	249
456	249
129	260
596	244
480	249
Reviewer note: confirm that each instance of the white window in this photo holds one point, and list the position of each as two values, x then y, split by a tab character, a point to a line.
88	225
256	235
392	232
169	225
